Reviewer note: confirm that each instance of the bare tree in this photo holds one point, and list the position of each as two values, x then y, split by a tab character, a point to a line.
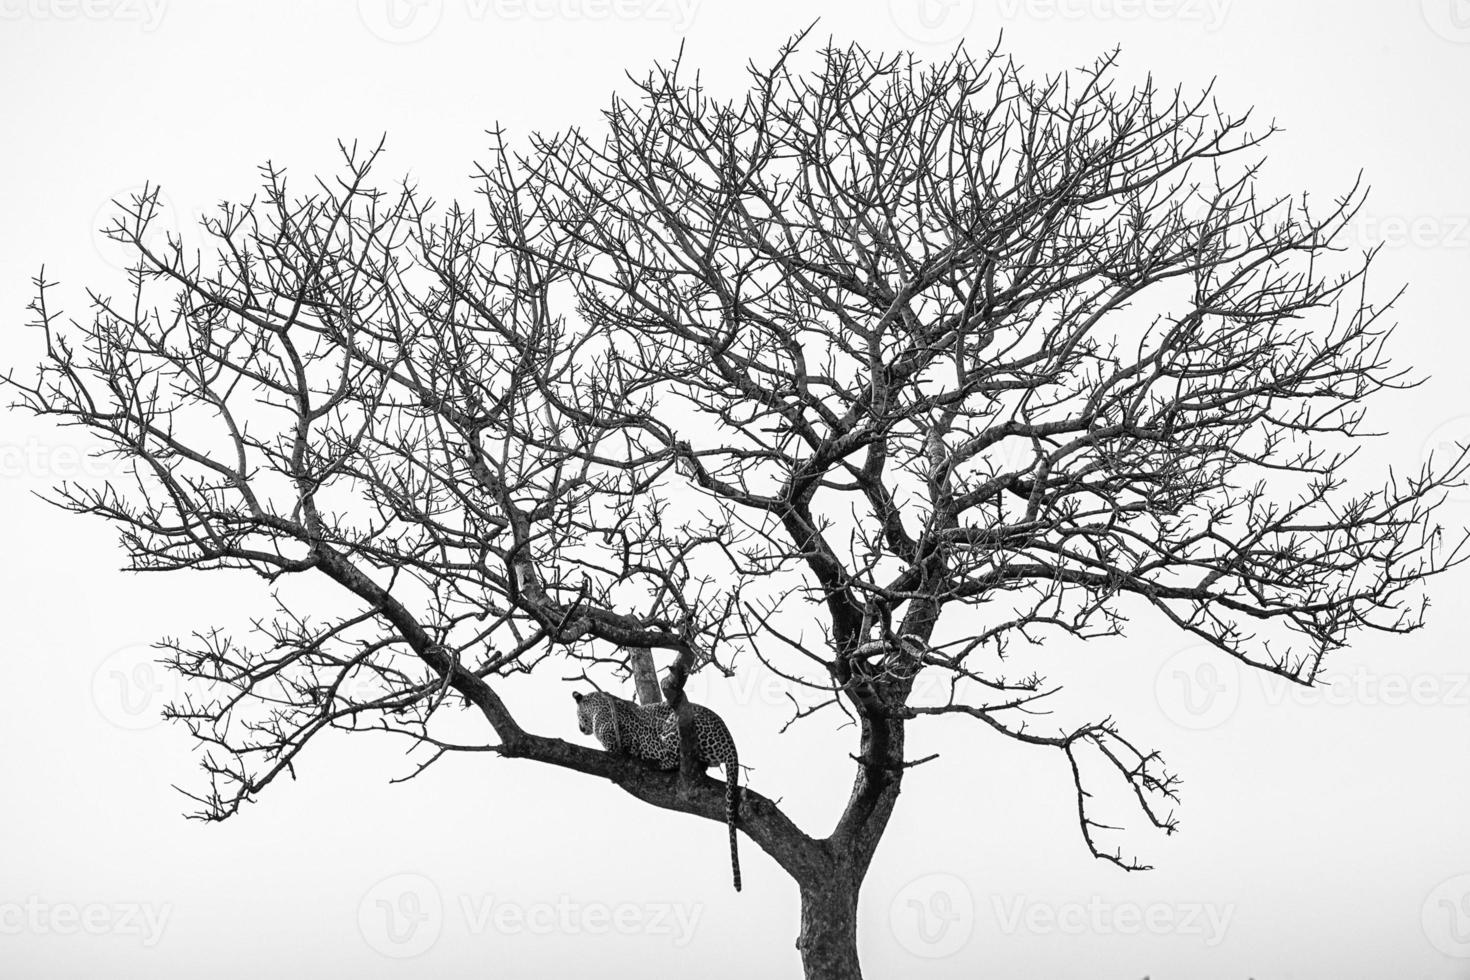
958	356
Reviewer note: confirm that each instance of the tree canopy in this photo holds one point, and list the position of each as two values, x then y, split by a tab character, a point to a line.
867	372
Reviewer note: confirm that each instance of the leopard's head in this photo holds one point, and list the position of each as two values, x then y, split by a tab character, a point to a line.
586	710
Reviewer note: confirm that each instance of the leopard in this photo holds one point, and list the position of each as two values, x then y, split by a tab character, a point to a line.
650	733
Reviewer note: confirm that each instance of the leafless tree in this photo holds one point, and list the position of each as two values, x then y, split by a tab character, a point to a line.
959	356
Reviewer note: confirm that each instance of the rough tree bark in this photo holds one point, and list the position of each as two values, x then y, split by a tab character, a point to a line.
828	940
645	675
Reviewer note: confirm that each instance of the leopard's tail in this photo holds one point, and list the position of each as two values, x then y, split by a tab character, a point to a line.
732	812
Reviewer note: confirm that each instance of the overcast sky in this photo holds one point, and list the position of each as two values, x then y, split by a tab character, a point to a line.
1323	834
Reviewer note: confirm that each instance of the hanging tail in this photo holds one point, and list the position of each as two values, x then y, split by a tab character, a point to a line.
732	814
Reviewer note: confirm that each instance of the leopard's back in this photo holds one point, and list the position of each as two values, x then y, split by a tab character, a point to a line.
626	728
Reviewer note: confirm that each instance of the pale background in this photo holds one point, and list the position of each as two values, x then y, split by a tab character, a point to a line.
1323	836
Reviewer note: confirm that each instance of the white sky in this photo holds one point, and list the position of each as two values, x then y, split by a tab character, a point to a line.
1321	836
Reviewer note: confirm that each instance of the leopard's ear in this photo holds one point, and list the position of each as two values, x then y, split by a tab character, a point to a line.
577	696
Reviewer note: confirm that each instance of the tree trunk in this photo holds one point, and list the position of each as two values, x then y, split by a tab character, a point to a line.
828	940
829	886
645	675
